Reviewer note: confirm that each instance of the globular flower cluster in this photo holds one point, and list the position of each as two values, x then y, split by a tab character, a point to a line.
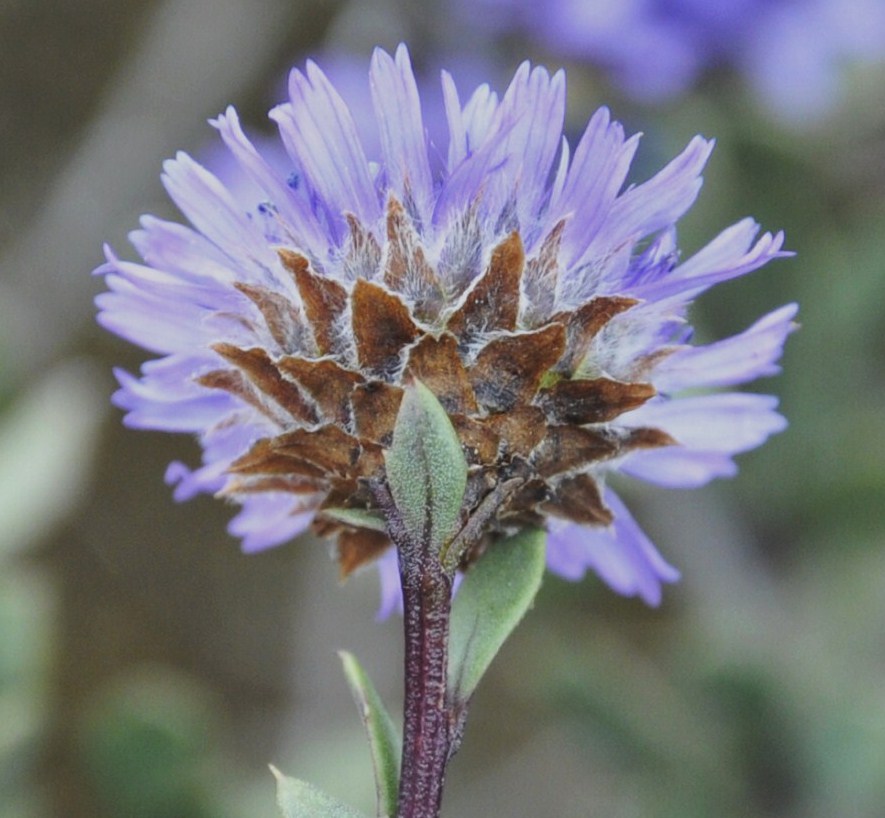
541	301
792	53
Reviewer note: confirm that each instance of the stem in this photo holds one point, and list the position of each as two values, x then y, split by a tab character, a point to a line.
426	735
427	723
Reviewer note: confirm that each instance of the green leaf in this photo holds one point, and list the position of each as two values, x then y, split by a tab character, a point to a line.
383	738
426	469
494	596
357	517
298	799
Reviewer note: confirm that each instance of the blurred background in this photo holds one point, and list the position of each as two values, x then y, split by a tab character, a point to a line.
148	669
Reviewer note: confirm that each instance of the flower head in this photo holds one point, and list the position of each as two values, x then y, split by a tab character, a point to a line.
792	53
542	302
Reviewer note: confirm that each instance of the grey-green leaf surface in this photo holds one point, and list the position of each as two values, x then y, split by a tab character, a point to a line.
383	738
493	598
426	469
357	517
298	799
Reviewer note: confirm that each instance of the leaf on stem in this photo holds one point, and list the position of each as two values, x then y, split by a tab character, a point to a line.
493	598
383	738
298	799
357	517
426	469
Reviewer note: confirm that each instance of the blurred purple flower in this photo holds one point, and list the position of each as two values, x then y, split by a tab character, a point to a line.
542	300
791	52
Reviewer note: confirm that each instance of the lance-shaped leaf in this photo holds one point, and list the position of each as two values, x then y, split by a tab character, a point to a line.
494	596
298	799
357	517
426	469
383	738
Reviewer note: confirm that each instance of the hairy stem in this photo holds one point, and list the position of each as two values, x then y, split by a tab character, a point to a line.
426	724
427	721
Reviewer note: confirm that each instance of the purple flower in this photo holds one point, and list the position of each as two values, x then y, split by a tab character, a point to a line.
791	52
541	300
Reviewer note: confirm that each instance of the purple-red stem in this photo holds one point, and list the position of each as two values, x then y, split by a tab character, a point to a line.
427	594
431	730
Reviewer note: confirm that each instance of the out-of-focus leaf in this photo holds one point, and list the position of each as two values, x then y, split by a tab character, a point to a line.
46	441
492	600
383	738
144	744
298	799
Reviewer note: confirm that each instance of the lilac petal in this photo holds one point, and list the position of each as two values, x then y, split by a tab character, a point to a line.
188	483
730	255
150	281
403	141
181	250
677	467
149	408
621	554
158	321
175	373
391	588
222	443
559	179
479	116
321	137
726	423
566	549
458	147
468	180
597	172
741	358
212	210
655	204
269	519
143	321
307	233
709	430
172	378
536	103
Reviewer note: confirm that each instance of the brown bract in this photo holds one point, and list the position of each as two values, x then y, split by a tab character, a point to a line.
497	356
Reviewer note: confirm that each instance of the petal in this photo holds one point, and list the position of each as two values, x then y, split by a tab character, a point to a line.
204	294
677	467
213	211
181	250
730	255
319	133
458	147
535	102
403	140
744	357
725	423
655	204
292	205
151	408
597	172
269	519
188	482
391	588
621	554
486	130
